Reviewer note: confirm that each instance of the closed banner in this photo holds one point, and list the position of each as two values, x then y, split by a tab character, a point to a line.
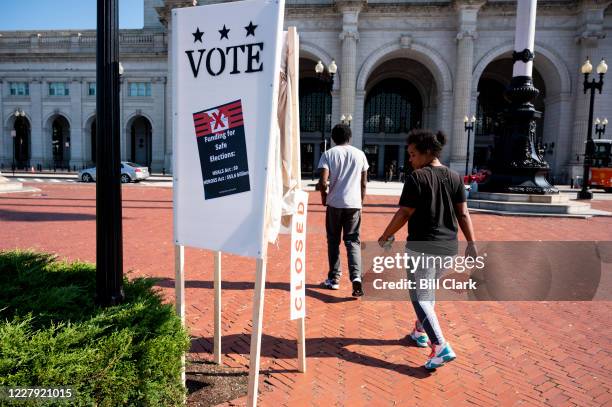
225	78
298	256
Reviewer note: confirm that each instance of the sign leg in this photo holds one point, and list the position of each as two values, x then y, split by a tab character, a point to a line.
301	344
258	305
179	288
217	285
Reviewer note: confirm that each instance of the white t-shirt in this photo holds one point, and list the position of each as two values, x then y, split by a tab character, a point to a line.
345	164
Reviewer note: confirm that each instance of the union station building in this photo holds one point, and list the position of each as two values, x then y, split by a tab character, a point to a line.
400	65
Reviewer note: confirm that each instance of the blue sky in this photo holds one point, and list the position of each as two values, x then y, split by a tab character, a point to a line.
63	14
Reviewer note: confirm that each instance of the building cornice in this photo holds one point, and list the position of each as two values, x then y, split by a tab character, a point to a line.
164	11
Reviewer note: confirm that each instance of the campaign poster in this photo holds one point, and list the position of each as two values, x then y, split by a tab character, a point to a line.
222	149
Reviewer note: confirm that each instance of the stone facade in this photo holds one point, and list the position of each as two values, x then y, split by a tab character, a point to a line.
443	48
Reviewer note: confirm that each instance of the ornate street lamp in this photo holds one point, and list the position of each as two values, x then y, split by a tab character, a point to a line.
468	125
591	85
346	119
600	130
518	166
328	84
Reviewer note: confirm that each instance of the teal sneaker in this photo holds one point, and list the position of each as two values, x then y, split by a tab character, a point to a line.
419	337
440	355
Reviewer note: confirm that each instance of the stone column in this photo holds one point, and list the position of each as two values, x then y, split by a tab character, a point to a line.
335	112
562	152
76	131
467	12
37	136
349	36
349	72
445	110
158	139
168	105
357	123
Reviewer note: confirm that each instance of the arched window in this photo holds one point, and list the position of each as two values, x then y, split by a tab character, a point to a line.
315	105
60	142
21	142
392	106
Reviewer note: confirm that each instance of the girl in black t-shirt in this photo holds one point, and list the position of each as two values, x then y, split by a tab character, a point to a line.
433	203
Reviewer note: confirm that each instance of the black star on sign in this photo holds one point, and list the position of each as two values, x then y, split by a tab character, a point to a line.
197	36
224	32
250	29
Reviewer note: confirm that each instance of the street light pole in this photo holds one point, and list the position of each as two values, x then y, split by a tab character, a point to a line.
600	130
468	125
518	166
328	85
109	239
591	85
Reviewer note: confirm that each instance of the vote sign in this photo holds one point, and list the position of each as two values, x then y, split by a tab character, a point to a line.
225	69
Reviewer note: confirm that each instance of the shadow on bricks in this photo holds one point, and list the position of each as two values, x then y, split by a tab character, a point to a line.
247	285
326	347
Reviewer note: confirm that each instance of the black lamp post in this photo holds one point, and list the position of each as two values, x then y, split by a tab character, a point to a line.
328	84
109	235
517	165
600	130
468	125
591	85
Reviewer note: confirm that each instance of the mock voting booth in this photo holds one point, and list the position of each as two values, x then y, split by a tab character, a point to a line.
236	150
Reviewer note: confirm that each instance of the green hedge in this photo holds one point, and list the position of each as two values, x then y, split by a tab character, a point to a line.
52	334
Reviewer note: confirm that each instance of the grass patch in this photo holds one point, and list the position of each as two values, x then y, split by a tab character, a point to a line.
53	334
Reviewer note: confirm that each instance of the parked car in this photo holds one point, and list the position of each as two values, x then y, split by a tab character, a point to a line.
129	172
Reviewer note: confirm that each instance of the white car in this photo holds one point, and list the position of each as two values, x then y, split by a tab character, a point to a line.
129	172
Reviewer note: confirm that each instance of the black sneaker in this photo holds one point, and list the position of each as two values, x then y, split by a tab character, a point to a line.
357	290
331	284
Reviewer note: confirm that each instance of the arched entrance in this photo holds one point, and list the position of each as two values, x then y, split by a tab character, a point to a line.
140	133
491	106
21	142
400	96
315	115
60	142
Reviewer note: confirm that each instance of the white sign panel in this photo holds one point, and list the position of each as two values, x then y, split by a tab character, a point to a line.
298	256
225	60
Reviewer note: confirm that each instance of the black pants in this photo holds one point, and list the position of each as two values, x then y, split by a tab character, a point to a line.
345	221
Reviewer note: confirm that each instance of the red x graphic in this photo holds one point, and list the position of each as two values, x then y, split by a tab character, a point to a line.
217	117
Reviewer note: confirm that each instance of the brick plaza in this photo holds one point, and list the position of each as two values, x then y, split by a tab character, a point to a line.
509	353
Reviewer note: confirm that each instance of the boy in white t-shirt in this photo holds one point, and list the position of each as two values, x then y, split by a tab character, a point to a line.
345	167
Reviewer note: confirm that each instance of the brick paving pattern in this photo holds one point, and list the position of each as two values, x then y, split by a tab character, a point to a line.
509	353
